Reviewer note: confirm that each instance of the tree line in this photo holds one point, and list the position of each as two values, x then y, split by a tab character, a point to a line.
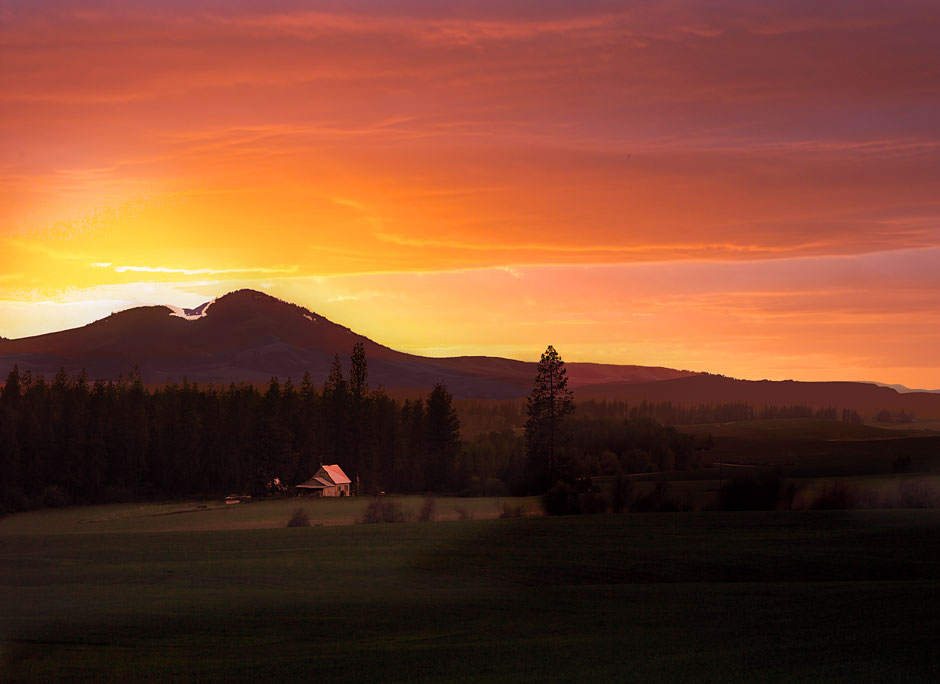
71	441
479	417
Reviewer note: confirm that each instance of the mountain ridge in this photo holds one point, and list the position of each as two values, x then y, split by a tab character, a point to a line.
250	336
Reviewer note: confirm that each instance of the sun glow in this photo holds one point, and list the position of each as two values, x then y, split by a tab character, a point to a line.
751	192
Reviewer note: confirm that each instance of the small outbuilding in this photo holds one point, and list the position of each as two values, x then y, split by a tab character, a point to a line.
329	480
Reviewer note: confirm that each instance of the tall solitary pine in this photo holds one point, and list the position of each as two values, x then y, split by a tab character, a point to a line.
549	403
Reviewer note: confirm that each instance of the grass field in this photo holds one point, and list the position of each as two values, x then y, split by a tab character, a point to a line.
191	516
209	592
698	597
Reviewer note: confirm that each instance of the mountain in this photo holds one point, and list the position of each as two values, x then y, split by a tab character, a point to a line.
250	336
866	398
904	389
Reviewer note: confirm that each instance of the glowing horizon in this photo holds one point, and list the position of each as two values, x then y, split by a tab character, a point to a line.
749	189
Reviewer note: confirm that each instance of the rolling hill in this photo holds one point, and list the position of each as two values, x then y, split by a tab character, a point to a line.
249	336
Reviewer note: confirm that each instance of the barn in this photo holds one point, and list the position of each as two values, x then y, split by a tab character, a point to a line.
329	480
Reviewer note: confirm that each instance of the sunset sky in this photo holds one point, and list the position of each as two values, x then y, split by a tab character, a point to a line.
748	188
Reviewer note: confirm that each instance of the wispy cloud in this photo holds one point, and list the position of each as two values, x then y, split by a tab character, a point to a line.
196	271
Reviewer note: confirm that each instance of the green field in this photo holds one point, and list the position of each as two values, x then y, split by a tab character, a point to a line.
202	591
698	597
193	516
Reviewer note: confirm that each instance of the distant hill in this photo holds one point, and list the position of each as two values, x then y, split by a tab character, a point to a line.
866	398
249	336
905	390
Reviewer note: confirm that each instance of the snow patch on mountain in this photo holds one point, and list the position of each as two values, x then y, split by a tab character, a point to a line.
190	314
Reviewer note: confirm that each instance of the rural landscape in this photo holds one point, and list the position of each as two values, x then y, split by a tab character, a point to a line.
469	342
169	532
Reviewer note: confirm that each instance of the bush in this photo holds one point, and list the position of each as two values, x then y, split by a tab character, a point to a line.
13	500
382	510
837	495
428	510
589	503
762	492
489	486
565	499
463	513
912	494
901	464
299	519
620	495
561	499
510	511
54	496
656	500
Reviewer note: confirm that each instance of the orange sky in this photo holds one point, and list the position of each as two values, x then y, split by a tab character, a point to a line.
748	188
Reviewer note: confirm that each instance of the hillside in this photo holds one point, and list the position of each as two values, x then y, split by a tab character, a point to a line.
249	336
866	398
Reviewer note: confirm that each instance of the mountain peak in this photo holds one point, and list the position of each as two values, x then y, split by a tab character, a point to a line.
246	300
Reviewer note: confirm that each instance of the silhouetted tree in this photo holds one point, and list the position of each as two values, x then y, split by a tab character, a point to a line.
358	400
358	375
11	388
549	403
334	418
411	466
443	439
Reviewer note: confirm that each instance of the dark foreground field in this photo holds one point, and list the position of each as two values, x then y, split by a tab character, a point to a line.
697	597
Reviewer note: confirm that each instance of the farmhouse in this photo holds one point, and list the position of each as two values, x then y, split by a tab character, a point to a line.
329	480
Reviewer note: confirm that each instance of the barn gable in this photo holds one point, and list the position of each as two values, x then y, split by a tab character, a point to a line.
329	480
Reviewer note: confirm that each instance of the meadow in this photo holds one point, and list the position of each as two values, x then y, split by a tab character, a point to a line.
215	515
203	591
781	596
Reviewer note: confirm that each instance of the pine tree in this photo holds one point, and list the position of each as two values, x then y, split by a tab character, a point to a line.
11	388
549	403
443	439
358	418
358	375
334	415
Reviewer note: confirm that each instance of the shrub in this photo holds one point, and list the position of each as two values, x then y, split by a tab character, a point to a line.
561	499
912	494
463	513
762	492
656	500
489	486
590	503
382	510
54	496
566	499
13	500
620	495
901	464
299	519
837	495
428	509
510	511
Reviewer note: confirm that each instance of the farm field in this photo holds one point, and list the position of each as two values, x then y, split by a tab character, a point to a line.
180	516
698	597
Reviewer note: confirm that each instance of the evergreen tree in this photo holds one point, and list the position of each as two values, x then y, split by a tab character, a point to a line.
549	403
357	432
358	376
410	469
443	439
334	414
11	388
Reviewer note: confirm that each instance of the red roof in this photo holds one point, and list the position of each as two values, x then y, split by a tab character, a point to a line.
326	476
